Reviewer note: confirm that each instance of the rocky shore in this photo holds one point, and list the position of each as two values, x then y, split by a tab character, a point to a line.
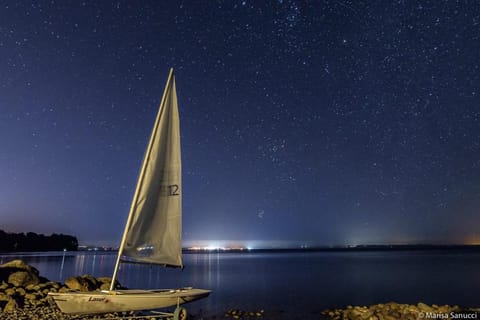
24	296
394	311
24	292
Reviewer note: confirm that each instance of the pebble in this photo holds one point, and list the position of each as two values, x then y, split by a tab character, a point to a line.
392	311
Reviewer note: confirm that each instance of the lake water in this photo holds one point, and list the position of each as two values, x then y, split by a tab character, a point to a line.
293	281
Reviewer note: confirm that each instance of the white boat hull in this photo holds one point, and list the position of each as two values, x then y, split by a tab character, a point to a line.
76	302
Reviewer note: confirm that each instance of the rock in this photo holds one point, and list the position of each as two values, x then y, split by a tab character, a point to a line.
104	279
10	291
31	296
88	283
51	284
395	314
29	287
4	285
104	283
20	265
412	309
10	306
23	278
77	283
243	314
390	311
84	283
92	283
55	285
362	314
20	291
104	286
18	274
424	308
443	309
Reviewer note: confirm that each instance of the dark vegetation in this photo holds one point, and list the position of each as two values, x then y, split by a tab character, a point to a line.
36	242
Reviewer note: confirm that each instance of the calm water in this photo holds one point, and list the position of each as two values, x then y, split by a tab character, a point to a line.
292	281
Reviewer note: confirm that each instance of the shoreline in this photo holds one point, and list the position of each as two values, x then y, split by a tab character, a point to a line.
353	248
387	311
24	296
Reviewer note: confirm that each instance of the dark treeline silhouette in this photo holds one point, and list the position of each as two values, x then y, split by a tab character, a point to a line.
36	242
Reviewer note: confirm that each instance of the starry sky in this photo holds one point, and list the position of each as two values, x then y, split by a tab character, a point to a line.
319	122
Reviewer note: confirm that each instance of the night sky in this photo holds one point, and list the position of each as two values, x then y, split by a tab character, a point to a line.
316	122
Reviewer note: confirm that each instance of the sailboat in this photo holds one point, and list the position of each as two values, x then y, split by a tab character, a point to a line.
153	229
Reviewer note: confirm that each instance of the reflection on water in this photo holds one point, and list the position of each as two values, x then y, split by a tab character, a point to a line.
60	276
289	281
58	266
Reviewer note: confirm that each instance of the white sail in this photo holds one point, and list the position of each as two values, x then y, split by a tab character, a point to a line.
153	231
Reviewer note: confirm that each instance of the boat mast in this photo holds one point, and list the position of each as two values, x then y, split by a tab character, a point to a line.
140	179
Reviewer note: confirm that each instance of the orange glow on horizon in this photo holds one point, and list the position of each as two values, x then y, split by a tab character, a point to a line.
473	239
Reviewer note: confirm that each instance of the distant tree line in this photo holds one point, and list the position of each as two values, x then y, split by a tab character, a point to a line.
36	242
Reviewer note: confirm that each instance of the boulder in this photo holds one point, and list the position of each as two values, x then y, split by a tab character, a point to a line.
76	283
18	273
10	306
104	280
23	278
79	283
104	283
92	282
19	265
55	285
104	287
